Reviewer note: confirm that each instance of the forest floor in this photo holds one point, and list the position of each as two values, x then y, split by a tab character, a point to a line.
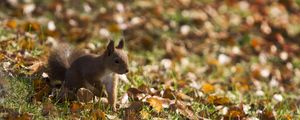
189	59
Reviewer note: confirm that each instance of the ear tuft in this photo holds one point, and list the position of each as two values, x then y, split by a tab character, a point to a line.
121	44
110	48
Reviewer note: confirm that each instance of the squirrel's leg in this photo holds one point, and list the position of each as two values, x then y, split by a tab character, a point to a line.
112	92
63	94
95	87
98	89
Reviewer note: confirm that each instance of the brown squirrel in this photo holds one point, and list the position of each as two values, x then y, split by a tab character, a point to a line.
78	70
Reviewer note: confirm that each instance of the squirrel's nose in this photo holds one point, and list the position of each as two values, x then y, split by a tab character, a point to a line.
126	71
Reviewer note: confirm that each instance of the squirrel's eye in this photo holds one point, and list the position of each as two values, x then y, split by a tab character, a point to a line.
117	61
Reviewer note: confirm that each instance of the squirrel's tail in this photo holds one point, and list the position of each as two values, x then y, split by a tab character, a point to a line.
60	59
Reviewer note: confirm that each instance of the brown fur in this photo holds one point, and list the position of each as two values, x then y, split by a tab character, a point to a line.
90	71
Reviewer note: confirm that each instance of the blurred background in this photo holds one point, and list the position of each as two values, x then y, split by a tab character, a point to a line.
240	48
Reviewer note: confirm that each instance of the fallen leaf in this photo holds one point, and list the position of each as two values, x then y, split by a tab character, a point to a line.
131	114
144	88
133	92
184	110
235	113
26	43
25	116
48	109
75	107
267	115
155	103
84	95
168	93
114	28
136	105
218	100
183	96
35	67
11	24
207	88
212	61
32	26
41	89
98	115
144	114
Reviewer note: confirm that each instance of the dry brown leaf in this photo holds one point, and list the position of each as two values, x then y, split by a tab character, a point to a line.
98	115
288	117
11	24
75	107
155	103
41	89
35	67
26	43
235	113
218	100
114	28
267	115
212	61
256	73
183	96
84	95
144	88
48	109
74	116
168	93
207	88
17	116
133	92
182	83
131	114
32	26
136	105
183	110
175	50
25	116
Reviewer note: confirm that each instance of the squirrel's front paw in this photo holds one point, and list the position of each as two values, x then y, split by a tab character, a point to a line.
114	108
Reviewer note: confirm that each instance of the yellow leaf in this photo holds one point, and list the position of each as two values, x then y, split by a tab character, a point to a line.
98	115
2	56
27	44
218	100
207	88
11	24
114	28
144	114
212	61
155	103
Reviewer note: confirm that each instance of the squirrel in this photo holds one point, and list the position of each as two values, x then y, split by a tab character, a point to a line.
76	70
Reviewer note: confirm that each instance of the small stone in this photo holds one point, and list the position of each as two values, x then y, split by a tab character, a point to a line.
278	97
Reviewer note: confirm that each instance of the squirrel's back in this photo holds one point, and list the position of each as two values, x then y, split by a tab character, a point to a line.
60	59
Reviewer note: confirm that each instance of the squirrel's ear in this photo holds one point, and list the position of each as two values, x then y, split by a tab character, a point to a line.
121	44
110	48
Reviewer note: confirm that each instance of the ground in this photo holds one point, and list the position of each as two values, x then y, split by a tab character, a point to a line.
189	59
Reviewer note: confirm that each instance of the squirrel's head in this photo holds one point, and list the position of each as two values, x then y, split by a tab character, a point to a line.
116	58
